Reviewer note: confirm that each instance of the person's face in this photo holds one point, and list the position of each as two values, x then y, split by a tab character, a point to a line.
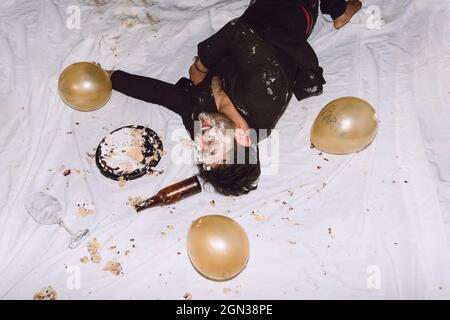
215	139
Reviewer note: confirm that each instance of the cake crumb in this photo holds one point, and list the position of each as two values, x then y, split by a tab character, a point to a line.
134	201
135	152
187	296
84	259
122	182
85	210
260	217
114	267
92	247
47	293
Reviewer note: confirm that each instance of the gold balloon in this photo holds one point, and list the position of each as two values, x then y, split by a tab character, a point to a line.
84	86
218	247
343	126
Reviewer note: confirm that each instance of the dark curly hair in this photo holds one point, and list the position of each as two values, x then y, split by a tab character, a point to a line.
237	178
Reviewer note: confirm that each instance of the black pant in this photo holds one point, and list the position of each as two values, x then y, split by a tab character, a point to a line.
174	97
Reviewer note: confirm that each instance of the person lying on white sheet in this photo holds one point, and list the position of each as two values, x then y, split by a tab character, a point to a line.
243	78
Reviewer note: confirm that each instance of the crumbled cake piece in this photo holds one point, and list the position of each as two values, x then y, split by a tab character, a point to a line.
47	293
96	258
85	210
114	267
122	182
134	201
187	296
93	246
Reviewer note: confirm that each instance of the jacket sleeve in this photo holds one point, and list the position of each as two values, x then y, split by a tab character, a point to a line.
212	50
309	80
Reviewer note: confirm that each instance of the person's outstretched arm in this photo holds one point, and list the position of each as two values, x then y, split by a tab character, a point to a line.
151	90
211	52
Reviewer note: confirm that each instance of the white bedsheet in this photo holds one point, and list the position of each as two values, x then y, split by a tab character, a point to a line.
371	225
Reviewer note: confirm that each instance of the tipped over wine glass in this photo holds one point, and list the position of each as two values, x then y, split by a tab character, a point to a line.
45	209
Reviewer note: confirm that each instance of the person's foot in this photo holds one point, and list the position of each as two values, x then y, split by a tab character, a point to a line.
353	6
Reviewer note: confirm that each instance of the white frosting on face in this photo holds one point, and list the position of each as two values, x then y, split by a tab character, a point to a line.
213	142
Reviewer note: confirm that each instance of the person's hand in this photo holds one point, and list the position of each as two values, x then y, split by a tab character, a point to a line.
197	72
353	6
109	72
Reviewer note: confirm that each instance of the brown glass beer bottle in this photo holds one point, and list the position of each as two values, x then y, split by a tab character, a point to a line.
172	193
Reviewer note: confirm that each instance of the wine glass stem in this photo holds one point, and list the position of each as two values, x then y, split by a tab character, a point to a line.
62	224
